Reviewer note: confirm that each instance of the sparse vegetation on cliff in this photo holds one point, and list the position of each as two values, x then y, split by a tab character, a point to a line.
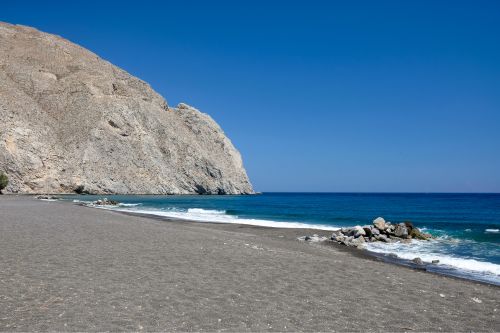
4	181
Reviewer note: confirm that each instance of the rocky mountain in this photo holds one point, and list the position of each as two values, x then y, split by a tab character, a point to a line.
71	120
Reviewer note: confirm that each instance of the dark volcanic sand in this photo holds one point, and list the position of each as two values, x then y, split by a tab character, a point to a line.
70	268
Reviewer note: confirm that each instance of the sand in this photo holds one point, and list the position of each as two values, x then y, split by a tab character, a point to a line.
65	267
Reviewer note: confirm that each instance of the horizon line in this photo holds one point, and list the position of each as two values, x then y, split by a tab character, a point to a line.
375	192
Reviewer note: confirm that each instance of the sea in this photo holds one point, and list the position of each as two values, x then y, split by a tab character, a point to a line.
466	226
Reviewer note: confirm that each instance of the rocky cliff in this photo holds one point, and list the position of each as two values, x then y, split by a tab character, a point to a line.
70	119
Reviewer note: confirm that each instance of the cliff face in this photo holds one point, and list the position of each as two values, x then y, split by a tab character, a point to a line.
69	118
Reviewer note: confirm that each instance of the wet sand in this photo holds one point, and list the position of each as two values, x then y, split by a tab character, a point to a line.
65	267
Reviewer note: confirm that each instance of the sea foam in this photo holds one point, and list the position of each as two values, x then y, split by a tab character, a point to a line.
425	251
220	216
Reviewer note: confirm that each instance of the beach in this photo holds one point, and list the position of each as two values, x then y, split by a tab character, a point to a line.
66	267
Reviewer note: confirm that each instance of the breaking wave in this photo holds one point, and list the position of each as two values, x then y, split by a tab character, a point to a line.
431	250
220	216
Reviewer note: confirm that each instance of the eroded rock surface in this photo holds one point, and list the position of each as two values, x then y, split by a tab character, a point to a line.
70	119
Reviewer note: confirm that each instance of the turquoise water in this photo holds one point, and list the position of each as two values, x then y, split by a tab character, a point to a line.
466	225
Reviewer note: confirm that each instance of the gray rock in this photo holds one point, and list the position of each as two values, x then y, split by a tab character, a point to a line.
390	228
106	202
375	232
417	234
336	232
348	240
435	261
346	231
368	230
361	246
401	231
382	238
358	242
70	119
358	231
417	261
379	223
340	238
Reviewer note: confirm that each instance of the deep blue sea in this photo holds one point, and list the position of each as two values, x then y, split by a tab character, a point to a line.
466	225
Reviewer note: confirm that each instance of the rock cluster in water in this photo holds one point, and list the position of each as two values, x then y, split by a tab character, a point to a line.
106	202
379	231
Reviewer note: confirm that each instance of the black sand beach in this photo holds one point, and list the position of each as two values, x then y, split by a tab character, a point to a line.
65	267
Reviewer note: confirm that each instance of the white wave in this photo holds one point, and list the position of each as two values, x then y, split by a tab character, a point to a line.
427	252
82	201
220	216
128	204
205	211
492	230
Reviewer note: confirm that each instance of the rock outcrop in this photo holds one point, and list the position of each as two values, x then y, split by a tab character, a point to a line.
379	231
71	120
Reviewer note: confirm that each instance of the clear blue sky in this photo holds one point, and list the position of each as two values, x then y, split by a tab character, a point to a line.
317	96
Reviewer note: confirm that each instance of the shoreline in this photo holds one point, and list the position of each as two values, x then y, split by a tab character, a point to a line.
303	230
68	267
300	232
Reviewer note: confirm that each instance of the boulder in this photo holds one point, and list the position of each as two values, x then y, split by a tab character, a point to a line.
340	238
401	231
382	238
417	234
409	225
361	246
358	231
348	240
418	261
106	202
359	240
379	223
368	230
375	231
389	230
336	232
